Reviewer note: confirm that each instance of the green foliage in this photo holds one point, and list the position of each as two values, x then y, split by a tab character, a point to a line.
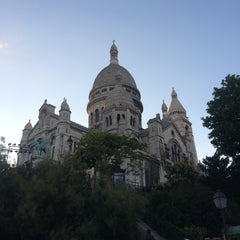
224	117
184	201
116	211
216	171
195	232
9	199
105	152
57	200
180	172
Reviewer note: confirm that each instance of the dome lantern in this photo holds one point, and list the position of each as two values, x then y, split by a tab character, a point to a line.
114	54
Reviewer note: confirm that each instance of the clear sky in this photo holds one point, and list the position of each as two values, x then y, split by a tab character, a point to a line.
55	49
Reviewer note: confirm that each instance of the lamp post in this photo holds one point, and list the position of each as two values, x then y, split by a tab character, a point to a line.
220	202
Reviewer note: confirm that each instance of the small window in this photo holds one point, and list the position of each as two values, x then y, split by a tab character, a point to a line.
91	118
134	122
96	115
110	120
104	90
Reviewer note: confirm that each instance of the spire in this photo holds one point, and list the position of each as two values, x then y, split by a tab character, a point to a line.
175	106
114	54
164	109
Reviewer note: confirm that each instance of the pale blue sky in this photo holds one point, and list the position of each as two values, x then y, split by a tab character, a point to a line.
55	49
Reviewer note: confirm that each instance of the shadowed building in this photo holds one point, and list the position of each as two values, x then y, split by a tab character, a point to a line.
115	106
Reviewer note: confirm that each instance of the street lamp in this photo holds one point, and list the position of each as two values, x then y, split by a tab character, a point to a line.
220	202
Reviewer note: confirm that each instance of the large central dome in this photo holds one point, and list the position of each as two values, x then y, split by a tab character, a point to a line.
113	74
114	93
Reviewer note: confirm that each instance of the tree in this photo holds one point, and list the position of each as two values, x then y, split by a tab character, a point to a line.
224	117
105	152
216	171
59	202
10	194
180	172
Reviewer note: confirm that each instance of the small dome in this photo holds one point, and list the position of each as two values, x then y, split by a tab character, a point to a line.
175	106
64	105
164	107
28	126
174	94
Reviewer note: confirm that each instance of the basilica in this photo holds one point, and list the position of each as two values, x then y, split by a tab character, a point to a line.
115	106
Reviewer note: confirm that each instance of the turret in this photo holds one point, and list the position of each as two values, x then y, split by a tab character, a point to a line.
64	113
179	116
164	109
27	129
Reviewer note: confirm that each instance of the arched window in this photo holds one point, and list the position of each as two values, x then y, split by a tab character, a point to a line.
175	153
102	113
118	118
131	121
91	118
96	115
110	120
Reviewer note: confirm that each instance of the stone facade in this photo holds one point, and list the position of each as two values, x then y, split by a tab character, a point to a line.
115	106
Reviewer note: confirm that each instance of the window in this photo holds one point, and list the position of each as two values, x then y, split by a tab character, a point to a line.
96	115
102	113
91	118
118	118
104	90
175	153
110	120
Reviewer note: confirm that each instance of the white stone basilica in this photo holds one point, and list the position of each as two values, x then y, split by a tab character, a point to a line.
115	106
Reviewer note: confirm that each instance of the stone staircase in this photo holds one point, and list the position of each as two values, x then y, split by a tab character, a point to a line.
144	227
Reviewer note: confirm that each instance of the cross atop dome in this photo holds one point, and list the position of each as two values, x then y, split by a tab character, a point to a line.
114	54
